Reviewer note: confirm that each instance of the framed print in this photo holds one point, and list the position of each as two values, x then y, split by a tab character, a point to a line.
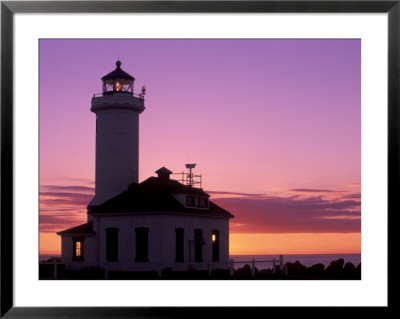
196	157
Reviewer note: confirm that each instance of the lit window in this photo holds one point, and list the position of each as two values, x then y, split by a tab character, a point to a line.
215	245
78	249
77	246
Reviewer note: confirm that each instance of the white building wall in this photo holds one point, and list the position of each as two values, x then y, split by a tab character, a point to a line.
117	144
89	251
161	241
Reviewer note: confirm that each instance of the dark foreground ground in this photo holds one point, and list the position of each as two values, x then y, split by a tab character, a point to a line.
337	270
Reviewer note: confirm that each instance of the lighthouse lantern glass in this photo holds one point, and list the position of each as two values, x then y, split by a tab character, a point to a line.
117	85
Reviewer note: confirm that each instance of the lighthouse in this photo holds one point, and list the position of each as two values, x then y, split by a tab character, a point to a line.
117	111
158	224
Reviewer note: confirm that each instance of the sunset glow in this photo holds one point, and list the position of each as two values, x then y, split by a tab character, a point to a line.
289	243
273	125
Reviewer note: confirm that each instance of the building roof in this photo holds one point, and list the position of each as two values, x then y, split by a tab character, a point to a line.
84	229
118	73
156	194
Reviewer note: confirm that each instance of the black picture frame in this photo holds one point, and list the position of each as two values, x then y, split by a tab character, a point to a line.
9	8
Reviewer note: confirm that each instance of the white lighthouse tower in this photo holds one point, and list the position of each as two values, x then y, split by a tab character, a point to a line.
117	112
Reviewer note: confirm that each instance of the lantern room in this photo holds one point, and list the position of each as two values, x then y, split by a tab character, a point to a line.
117	81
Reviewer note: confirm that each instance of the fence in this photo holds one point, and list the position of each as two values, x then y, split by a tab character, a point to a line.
232	263
54	263
105	267
253	262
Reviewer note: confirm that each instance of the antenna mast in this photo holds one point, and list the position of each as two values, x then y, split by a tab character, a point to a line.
190	174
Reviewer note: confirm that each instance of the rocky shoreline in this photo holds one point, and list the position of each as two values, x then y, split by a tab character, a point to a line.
337	270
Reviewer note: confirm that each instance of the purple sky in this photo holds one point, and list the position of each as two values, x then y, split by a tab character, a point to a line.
273	125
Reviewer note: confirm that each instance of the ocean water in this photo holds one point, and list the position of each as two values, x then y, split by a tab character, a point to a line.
306	260
45	257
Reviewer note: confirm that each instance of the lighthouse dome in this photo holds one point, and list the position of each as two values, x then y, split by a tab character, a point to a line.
117	81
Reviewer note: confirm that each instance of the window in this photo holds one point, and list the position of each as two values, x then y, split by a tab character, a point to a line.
215	245
112	244
179	244
189	201
196	201
142	244
198	245
203	202
77	249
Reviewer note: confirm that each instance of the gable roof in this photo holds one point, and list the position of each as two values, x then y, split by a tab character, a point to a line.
157	195
84	229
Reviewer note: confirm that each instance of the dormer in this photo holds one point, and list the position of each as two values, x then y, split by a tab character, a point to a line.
195	201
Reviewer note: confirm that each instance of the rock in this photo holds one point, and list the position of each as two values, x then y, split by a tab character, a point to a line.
245	271
349	271
266	271
358	271
335	269
278	269
316	271
349	267
296	269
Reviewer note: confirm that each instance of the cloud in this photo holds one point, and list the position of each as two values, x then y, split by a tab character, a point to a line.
342	217
66	198
355	196
233	194
57	222
293	214
62	207
73	180
57	188
310	190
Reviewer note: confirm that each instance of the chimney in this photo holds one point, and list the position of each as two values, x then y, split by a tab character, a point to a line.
163	174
